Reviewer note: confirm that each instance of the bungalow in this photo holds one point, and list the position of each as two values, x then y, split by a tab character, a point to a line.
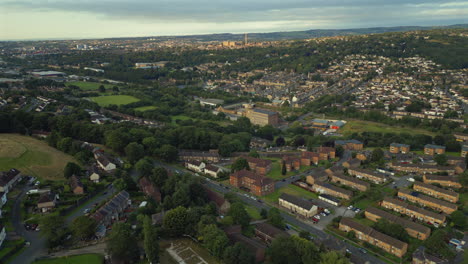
268	233
428	201
195	165
260	166
431	149
399	148
8	179
327	188
47	201
75	185
413	211
212	170
437	192
291	163
298	205
308	158
447	181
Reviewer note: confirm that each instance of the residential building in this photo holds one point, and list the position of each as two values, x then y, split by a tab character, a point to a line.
328	151
350	181
258	249
352	163
413	229
112	210
447	195
47	201
262	117
2	234
464	150
329	199
189	155
374	237
374	177
421	168
327	188
308	158
427	201
292	163
75	185
268	233
413	211
461	137
8	179
94	175
255	183
396	148
259	143
351	144
317	175
212	170
195	165
446	181
260	166
420	256
222	205
298	205
431	149
105	164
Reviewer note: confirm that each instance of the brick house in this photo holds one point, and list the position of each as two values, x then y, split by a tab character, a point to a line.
308	158
352	163
447	195
75	185
260	166
431	149
414	229
8	179
112	210
327	188
47	201
222	205
413	211
421	168
292	163
374	177
317	175
446	181
267	232
189	155
328	151
427	201
351	144
298	205
350	181
396	148
373	237
255	183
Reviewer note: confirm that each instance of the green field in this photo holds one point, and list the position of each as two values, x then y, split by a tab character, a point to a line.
253	212
78	259
145	108
448	153
114	99
358	126
89	86
275	172
180	117
32	157
290	189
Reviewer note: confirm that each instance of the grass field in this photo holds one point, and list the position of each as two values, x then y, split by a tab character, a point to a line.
448	153
290	189
78	259
145	108
114	99
180	117
89	86
275	172
32	156
358	126
253	212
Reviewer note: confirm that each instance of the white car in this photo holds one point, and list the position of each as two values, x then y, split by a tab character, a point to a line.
317	216
350	207
411	179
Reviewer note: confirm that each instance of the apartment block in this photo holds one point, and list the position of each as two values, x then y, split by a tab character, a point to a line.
428	201
351	144
298	205
413	211
350	181
374	237
262	117
446	181
414	229
260	166
374	177
255	183
308	158
437	192
292	163
430	149
327	188
396	148
329	151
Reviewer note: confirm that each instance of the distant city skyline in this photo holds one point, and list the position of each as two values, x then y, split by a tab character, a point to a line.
68	19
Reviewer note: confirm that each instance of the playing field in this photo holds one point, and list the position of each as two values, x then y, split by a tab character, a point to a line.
145	108
114	99
358	126
79	259
32	157
89	86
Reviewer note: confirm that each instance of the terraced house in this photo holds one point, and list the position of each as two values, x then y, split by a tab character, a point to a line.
428	201
374	237
308	158
447	181
327	188
298	205
413	211
421	168
374	177
350	181
414	229
396	148
437	192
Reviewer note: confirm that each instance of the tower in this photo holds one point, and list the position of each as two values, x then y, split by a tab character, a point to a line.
245	39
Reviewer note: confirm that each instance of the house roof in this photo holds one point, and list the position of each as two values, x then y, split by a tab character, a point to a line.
264	111
369	172
413	208
428	198
75	182
333	188
436	189
309	155
258	162
434	146
46	197
270	230
398	220
344	142
212	168
399	145
441	178
7	176
302	203
351	179
259	180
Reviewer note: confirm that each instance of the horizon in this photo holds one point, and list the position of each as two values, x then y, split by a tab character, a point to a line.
70	20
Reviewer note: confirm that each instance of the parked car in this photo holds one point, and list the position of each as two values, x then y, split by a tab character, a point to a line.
348	251
363	250
87	210
317	216
411	179
350	207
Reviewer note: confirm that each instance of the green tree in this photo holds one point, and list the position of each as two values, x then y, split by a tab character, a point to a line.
440	159
70	169
239	214
214	239
144	167
280	141
283	250
283	168
175	220
238	254
240	164
53	228
102	89
122	243
436	244
333	257
459	219
168	153
275	218
264	213
83	227
134	152
377	155
159	176
150	242
254	154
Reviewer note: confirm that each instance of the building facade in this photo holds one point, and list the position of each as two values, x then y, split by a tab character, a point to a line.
413	211
298	205
327	188
255	183
436	204
350	181
374	177
437	192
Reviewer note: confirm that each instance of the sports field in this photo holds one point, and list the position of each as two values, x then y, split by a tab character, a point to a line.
358	126
79	259
114	99
145	108
89	86
32	157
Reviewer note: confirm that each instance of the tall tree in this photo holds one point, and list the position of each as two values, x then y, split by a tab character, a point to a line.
240	164
441	159
53	228
214	239
238	253
134	152
83	227
275	218
150	243
70	169
332	257
175	220
122	244
144	166
239	214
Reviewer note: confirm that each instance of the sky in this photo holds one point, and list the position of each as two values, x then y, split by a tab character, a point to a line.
72	19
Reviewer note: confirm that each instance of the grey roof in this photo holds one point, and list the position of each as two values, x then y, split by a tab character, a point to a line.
302	203
399	145
434	146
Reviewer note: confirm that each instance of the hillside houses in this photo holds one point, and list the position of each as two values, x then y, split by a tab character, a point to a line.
8	179
111	210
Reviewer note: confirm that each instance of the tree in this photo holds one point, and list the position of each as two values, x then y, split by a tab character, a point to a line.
392	229
436	244
238	253
339	150
304	234
264	213
254	154
175	220
83	227
440	159
150	242
333	257
283	168
168	153
283	250
65	144
102	89
280	141
122	244
240	164
275	218
377	155
144	167
239	214
53	228
134	152
159	176
214	239
70	169
459	220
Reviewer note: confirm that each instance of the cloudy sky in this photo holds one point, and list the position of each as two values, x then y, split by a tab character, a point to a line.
52	19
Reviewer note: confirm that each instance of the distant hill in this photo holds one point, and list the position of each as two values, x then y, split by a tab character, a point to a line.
290	35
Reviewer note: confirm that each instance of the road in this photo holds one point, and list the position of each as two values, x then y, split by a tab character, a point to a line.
38	246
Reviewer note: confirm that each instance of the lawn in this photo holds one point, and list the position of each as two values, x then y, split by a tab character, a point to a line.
290	189
358	126
179	117
253	212
145	108
114	99
275	172
32	156
89	86
78	259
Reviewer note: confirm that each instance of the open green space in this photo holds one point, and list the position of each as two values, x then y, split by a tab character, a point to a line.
78	259
89	86
290	189
448	153
32	157
145	108
275	172
253	212
359	126
179	117
114	99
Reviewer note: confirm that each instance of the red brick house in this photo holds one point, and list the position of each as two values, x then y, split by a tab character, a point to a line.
255	183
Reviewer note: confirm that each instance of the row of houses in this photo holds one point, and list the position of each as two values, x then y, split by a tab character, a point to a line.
296	205
350	181
427	201
201	167
375	177
112	210
330	189
437	192
413	211
446	181
421	168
